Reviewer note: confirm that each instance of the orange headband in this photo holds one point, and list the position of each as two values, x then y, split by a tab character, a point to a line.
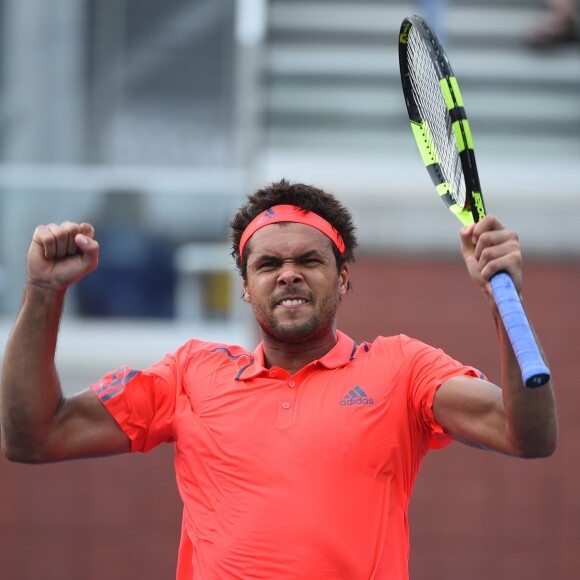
291	213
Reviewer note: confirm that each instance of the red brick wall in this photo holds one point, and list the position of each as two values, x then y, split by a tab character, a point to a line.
115	518
477	515
474	515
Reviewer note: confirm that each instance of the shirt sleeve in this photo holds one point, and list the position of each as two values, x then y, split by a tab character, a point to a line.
428	369
142	401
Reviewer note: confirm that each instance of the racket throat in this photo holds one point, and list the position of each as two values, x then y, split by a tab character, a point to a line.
477	207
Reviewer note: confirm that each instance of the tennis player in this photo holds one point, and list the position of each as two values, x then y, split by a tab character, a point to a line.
296	460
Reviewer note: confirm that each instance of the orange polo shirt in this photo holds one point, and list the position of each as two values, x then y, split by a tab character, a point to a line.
306	476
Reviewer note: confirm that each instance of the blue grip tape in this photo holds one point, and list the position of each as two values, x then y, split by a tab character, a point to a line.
534	370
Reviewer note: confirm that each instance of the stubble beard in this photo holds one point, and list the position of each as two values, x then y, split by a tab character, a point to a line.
299	331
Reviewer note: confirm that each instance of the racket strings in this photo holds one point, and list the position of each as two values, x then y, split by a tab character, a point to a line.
433	109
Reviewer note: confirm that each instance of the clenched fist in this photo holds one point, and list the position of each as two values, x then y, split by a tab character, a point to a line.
59	255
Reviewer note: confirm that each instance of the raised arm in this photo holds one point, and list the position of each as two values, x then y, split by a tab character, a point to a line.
513	419
38	424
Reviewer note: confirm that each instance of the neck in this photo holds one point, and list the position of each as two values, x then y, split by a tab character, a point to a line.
294	356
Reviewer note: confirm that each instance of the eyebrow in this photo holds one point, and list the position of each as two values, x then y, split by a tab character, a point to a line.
308	254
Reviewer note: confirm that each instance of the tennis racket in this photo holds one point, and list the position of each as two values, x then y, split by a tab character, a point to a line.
443	136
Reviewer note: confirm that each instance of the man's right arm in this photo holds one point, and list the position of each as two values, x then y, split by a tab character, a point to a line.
38	424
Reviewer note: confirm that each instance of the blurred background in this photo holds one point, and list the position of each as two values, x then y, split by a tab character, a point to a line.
154	119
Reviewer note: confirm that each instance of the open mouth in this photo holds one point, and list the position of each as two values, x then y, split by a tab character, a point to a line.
292	302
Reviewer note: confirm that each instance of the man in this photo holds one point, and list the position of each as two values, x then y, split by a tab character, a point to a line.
296	460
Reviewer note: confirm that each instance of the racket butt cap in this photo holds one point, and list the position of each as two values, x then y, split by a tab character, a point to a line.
537	380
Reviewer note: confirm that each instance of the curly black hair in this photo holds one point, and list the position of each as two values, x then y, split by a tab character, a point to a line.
304	196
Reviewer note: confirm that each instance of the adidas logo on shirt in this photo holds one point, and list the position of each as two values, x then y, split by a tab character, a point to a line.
357	396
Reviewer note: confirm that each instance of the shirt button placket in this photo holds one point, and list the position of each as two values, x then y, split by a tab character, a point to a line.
287	403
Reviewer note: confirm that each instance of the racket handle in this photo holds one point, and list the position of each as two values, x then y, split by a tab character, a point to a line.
534	370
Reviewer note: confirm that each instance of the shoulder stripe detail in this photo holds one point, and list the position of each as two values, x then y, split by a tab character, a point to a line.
117	384
237	378
236	357
231	356
353	352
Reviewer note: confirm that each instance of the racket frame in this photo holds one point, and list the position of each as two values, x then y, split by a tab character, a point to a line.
535	372
474	208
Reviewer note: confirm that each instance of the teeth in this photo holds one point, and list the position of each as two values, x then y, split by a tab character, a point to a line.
292	302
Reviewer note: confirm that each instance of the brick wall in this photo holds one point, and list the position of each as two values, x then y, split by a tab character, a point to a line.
478	515
474	515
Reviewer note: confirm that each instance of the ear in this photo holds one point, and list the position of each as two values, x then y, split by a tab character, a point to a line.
246	292
343	280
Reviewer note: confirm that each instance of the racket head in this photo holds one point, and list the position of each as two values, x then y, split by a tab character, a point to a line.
438	120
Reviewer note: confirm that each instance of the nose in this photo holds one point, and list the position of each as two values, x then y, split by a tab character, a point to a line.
289	275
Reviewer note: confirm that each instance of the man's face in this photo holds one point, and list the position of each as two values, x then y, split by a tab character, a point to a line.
293	283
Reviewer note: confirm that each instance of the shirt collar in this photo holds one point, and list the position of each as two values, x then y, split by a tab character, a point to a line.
339	355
